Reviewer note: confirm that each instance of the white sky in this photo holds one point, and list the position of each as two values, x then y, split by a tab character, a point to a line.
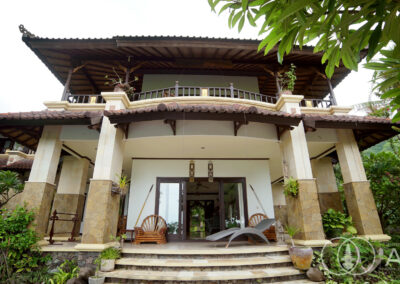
26	82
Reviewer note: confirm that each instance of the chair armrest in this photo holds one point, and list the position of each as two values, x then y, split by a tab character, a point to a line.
162	231
138	231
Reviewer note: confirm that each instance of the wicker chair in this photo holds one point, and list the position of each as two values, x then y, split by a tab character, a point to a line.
270	233
153	229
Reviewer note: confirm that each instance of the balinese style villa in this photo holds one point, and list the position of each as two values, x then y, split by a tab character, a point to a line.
206	140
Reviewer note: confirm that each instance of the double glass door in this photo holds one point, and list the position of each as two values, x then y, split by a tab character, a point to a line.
194	210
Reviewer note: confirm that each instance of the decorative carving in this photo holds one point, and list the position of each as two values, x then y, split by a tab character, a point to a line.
25	32
191	171
210	171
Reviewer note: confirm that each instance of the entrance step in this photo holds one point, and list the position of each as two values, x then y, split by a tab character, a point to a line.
205	264
267	275
209	252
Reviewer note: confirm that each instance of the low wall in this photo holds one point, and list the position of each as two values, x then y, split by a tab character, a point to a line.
83	259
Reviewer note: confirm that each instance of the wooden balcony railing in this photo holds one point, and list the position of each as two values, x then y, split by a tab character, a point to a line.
195	91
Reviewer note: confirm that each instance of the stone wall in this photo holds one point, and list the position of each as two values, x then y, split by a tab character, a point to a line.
82	259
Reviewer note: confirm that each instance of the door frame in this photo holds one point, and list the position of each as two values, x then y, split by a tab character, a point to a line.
182	227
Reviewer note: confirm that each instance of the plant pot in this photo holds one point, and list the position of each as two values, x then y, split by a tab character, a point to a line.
119	88
285	92
107	265
96	280
301	257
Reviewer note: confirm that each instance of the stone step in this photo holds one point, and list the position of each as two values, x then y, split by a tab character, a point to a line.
301	281
267	275
204	264
211	252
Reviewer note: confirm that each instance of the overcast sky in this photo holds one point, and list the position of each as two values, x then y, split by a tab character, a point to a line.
26	82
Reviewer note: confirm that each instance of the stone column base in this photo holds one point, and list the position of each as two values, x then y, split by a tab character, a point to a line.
304	212
101	215
330	200
39	196
67	203
361	205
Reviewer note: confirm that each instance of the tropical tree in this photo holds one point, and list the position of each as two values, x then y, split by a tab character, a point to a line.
340	29
10	186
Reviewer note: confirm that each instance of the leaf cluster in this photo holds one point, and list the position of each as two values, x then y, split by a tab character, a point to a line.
67	270
333	220
342	29
19	252
110	253
288	79
10	186
291	187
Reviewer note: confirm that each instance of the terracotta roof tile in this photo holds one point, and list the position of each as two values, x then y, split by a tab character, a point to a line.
23	164
205	108
49	115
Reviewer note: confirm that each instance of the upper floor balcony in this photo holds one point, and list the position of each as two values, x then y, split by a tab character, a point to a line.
204	67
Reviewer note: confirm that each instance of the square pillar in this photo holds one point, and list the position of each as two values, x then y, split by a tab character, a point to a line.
39	189
328	194
70	196
359	198
303	210
101	215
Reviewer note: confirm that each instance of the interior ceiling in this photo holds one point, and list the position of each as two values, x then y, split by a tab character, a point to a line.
192	147
92	59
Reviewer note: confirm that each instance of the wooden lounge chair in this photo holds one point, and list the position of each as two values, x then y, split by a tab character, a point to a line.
153	229
250	232
256	219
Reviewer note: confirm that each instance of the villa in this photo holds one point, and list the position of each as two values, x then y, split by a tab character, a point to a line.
206	139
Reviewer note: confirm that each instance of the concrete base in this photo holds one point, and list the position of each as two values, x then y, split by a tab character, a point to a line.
67	203
380	238
95	247
310	243
330	200
362	208
304	212
39	196
101	216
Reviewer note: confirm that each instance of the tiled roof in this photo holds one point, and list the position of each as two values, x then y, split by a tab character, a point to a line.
23	164
3	162
201	108
314	120
49	115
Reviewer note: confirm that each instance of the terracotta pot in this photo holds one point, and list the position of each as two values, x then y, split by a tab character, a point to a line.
107	265
96	280
301	257
119	88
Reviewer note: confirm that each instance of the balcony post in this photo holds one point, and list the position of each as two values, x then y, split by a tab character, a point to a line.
331	92
278	86
176	88
66	86
231	87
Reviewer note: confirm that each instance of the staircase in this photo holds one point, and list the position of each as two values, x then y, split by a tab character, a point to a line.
255	264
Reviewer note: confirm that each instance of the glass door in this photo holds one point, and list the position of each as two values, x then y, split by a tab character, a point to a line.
234	211
170	200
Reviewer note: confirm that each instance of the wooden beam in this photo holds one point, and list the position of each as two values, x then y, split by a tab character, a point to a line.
64	96
332	93
237	125
172	124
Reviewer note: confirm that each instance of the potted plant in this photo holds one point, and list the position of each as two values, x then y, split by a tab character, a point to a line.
301	256
287	81
108	257
291	187
119	239
120	85
336	223
96	278
122	186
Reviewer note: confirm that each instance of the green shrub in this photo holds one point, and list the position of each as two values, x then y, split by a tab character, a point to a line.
67	270
291	187
336	222
19	252
110	253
